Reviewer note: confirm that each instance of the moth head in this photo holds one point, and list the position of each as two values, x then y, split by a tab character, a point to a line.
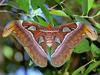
8	29
49	27
91	32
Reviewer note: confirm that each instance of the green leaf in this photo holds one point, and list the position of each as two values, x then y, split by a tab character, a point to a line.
94	49
36	3
58	13
23	4
48	72
98	13
86	6
90	5
58	1
91	67
47	14
97	25
42	22
83	46
77	71
69	12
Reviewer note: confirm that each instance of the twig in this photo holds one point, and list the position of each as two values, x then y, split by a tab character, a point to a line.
56	5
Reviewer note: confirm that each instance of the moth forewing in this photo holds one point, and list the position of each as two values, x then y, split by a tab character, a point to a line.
29	43
8	29
91	32
64	50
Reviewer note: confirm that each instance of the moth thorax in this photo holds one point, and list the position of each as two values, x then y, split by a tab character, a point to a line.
49	41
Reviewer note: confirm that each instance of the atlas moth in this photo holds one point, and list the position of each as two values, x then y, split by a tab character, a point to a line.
49	44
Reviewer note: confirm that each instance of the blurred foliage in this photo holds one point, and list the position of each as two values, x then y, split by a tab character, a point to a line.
85	59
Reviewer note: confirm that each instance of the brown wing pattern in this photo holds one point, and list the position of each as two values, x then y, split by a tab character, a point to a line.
29	43
64	50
